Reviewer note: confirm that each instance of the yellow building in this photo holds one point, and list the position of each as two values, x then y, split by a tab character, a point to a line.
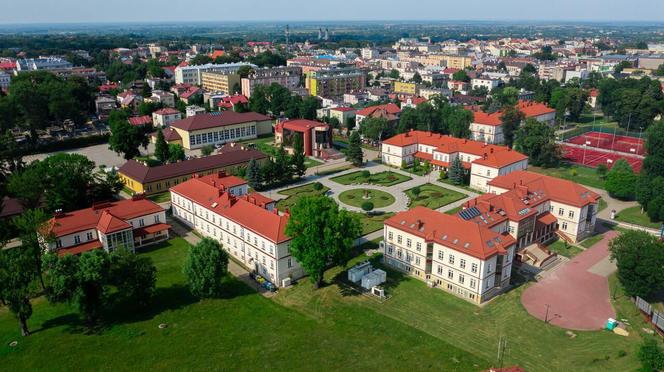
335	83
401	87
220	82
221	127
140	178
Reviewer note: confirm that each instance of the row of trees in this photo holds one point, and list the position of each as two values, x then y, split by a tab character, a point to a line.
438	117
278	170
650	184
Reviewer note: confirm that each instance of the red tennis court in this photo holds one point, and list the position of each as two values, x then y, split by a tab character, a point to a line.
593	158
607	141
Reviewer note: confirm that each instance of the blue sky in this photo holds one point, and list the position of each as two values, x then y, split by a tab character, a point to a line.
56	11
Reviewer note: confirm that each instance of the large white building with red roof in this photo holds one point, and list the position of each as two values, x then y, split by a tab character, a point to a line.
465	258
484	161
488	127
247	224
129	223
537	207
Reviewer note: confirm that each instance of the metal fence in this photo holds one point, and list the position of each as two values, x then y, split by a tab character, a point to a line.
656	317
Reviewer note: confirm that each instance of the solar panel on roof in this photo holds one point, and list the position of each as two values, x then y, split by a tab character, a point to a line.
470	213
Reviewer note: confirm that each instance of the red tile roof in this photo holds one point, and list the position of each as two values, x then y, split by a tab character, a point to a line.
491	155
218	119
142	231
108	223
452	232
389	108
483	118
299	125
556	189
228	157
81	248
140	120
167	111
101	215
241	210
534	109
230	101
10	207
191	91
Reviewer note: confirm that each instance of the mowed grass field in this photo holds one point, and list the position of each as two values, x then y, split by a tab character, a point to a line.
418	328
242	331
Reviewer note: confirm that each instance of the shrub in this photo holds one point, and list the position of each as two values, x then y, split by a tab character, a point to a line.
416	191
318	186
365	174
443	175
574	172
367	206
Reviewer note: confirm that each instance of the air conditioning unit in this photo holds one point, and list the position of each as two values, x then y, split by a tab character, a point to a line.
286	282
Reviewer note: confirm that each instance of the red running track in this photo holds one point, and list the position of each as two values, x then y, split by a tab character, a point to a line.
593	158
607	141
577	299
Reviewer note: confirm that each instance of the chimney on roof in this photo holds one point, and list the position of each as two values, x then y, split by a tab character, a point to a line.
485	156
491	150
287	212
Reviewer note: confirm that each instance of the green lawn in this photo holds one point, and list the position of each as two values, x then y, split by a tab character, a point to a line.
455	210
310	163
602	205
327	172
589	242
633	215
294	194
239	331
563	249
419	172
357	197
385	178
372	223
434	197
531	344
462	186
161	197
579	174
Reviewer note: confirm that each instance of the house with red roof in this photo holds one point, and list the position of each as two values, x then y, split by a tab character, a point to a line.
165	117
221	127
139	121
451	252
248	225
484	161
229	102
316	136
190	94
488	127
390	112
129	223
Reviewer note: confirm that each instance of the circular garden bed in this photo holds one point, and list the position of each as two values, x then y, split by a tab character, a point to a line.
357	197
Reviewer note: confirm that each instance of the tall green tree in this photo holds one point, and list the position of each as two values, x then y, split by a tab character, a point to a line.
456	172
639	258
511	120
175	153
16	276
321	234
134	276
205	266
354	151
161	147
125	138
538	141
33	233
298	158
376	129
621	180
309	107
254	174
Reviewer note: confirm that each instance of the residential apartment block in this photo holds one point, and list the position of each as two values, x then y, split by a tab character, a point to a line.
247	225
220	81
288	77
193	74
459	256
484	161
334	83
128	223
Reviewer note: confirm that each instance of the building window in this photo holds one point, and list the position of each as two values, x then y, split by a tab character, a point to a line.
58	243
440	255
450	274
561	211
462	263
473	268
451	259
77	239
419	246
472	283
399	239
417	260
289	262
565	226
141	222
461	278
488	268
89	235
571	214
389	251
156	218
390	236
408	243
440	270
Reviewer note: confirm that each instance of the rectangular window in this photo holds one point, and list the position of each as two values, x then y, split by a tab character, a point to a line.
156	218
451	259
488	268
462	278
462	263
77	239
390	236
399	239
417	260
564	225
419	246
440	270
440	255
561	211
89	235
389	251
408	243
473	268
571	214
450	274
290	262
141	223
472	283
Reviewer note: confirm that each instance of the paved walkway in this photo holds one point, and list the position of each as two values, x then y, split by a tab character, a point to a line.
576	295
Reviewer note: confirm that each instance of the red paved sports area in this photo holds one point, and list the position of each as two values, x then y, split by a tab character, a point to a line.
578	298
593	158
607	141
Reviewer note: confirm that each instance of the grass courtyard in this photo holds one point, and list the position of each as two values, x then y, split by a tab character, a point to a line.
434	197
579	174
567	250
385	178
357	197
419	328
633	215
